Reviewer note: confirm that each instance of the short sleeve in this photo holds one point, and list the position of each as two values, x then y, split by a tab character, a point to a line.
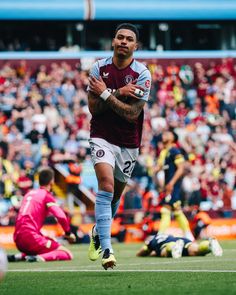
178	156
144	80
94	72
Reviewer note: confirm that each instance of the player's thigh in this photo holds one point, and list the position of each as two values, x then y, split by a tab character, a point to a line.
103	158
101	152
45	245
125	162
173	200
34	243
176	198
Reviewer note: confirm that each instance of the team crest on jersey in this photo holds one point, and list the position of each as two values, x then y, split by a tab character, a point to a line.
128	79
100	153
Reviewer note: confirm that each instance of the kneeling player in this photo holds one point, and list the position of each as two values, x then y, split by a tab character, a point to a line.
36	205
162	245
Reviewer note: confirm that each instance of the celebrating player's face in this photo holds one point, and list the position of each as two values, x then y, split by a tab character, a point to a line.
124	43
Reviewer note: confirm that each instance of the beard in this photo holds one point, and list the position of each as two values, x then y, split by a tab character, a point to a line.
122	54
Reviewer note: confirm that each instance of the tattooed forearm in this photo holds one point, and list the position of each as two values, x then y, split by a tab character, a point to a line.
96	105
130	112
117	93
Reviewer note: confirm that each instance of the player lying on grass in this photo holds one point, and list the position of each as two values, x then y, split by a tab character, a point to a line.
162	245
37	204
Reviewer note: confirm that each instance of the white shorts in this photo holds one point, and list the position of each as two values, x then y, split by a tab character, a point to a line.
121	159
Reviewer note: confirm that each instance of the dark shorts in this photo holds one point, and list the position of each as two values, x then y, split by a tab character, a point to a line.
173	200
160	241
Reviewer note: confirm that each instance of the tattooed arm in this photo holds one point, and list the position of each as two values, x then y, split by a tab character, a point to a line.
96	105
129	109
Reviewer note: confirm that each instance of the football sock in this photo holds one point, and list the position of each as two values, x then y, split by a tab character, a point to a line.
204	248
103	217
165	219
114	207
182	221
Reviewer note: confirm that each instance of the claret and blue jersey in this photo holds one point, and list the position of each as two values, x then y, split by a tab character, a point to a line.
119	131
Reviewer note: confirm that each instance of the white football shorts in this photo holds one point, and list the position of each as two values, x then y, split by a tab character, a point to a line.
121	159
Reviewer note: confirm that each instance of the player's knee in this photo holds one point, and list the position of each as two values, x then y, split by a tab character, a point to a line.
165	210
177	206
178	212
106	184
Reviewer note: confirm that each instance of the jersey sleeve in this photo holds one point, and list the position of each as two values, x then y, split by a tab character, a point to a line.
57	212
177	156
94	72
144	80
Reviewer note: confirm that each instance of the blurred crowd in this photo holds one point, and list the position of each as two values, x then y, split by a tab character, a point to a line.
44	120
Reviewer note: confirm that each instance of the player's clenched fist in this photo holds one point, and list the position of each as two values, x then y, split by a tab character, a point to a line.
131	90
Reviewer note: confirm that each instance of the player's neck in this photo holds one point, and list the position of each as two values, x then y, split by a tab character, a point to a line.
169	145
46	187
121	63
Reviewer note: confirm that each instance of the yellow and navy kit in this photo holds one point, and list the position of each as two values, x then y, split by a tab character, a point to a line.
160	241
169	160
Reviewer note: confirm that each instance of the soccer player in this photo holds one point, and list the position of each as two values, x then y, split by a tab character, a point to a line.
172	161
37	204
118	88
162	245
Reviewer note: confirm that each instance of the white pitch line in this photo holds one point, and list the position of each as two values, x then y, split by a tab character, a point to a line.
157	263
126	270
171	261
178	261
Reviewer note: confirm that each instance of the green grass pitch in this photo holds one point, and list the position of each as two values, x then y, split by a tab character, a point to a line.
133	275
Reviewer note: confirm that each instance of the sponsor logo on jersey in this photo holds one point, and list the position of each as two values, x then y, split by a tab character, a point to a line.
100	153
105	75
128	79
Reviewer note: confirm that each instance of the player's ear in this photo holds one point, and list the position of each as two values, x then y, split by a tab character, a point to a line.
113	43
136	46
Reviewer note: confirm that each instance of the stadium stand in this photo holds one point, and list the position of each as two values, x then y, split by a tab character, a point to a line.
45	120
44	117
73	25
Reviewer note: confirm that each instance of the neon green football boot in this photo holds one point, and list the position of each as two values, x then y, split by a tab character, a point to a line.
94	247
108	259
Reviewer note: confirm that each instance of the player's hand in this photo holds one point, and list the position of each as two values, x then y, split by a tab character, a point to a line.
169	188
132	90
97	86
70	237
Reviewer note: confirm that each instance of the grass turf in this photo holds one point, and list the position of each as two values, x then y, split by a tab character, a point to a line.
133	275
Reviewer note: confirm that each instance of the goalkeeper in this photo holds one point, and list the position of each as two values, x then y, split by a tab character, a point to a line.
37	204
